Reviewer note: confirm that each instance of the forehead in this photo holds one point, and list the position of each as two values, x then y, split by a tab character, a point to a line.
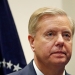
53	16
54	20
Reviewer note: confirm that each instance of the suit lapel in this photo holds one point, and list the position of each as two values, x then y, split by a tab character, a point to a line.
67	73
31	69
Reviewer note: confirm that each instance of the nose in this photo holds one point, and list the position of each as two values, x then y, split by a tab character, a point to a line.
59	41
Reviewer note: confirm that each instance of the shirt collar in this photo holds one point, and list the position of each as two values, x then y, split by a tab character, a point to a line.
38	72
64	72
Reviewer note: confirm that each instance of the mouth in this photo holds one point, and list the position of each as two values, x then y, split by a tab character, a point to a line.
59	53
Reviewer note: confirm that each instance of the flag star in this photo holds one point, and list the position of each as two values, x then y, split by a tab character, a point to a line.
16	68
9	64
4	63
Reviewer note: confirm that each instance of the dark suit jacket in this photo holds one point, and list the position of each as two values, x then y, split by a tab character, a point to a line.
28	70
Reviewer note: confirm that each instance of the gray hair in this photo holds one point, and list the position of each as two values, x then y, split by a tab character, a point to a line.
32	26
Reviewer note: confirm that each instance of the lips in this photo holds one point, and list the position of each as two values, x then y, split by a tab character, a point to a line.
59	52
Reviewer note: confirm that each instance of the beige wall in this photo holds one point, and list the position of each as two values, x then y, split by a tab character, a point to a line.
69	7
22	9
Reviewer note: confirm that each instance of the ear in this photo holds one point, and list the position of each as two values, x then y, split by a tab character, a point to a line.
31	41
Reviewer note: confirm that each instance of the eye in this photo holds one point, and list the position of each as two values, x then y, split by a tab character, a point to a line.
50	34
67	36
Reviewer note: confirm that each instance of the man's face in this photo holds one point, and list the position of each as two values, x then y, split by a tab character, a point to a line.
53	40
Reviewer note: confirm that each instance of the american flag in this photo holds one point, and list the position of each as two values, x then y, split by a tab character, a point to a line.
11	53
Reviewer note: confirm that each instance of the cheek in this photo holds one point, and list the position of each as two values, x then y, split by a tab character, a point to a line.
46	48
43	47
69	50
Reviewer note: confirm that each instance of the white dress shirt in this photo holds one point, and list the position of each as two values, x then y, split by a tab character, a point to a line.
38	72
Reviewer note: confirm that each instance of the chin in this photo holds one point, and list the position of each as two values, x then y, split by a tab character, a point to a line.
60	62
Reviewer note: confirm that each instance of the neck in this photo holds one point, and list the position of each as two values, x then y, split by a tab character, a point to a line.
50	69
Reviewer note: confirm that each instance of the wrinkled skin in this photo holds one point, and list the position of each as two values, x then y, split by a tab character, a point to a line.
52	44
